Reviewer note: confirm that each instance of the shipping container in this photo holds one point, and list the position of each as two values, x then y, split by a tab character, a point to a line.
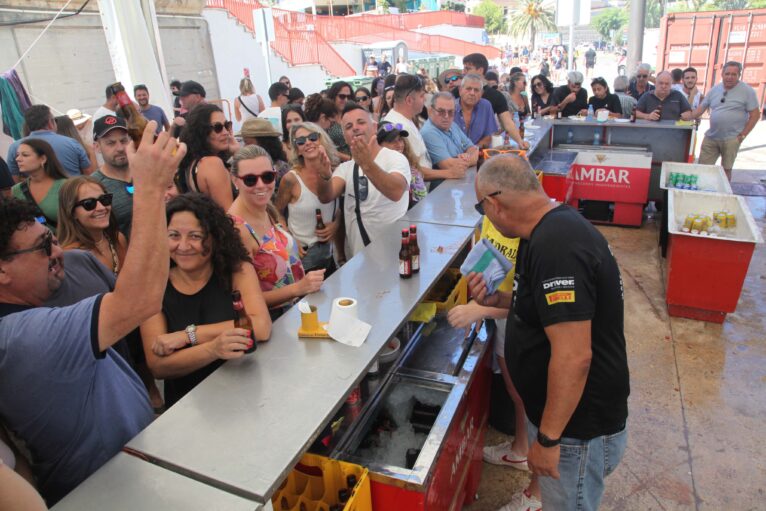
707	40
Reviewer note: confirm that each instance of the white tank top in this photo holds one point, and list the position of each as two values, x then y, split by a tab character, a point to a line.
250	102
302	214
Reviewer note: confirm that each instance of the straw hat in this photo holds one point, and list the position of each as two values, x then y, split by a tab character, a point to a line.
78	118
258	127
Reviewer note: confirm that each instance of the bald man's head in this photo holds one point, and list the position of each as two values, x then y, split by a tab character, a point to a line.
507	172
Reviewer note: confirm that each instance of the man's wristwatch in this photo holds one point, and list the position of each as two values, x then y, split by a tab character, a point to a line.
191	334
545	441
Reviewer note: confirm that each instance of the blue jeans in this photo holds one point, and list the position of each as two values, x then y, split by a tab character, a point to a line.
583	466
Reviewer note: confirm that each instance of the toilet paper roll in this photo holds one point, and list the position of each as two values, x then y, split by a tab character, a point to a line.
343	308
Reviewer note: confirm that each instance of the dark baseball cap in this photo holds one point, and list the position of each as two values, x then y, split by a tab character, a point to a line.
107	123
191	87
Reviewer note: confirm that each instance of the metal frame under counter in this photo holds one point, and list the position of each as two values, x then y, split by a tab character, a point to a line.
246	426
127	483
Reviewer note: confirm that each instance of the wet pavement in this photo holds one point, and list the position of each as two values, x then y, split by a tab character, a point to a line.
697	404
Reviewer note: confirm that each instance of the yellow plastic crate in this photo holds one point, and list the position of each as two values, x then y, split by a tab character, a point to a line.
314	483
458	295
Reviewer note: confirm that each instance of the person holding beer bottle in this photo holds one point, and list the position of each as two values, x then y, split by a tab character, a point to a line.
312	151
194	334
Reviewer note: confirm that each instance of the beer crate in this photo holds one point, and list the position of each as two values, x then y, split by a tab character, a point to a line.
314	483
457	296
711	178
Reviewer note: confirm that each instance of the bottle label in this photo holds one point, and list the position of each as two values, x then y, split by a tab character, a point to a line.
404	268
415	263
123	99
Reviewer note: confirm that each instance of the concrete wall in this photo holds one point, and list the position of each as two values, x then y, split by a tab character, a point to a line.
469	34
188	7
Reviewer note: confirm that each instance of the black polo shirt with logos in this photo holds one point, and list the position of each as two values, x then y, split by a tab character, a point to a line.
566	272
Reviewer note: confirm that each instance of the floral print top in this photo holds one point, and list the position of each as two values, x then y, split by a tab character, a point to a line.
276	262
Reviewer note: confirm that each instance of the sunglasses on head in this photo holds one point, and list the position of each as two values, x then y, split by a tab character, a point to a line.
90	204
252	179
219	127
391	127
313	137
362	98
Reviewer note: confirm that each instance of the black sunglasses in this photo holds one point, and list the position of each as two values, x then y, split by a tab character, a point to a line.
344	96
252	179
313	137
46	245
90	204
723	99
364	188
362	98
480	205
219	127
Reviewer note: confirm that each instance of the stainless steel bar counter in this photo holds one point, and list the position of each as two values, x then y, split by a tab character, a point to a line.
126	483
247	425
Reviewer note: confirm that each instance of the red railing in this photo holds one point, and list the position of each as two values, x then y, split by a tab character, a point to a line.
413	20
242	10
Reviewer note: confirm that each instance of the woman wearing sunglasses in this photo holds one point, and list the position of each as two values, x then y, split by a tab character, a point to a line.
44	177
291	114
364	98
272	248
339	93
313	153
519	104
194	333
542	95
86	222
208	137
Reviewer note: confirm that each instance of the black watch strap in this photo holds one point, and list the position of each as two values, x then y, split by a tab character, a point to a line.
545	441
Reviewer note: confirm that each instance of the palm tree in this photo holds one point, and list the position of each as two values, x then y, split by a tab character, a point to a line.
530	18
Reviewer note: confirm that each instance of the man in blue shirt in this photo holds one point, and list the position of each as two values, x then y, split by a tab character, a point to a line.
151	112
451	151
63	391
42	125
473	114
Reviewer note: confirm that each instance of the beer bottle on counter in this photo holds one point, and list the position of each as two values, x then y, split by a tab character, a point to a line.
633	115
405	262
659	111
521	128
126	109
241	319
320	222
414	249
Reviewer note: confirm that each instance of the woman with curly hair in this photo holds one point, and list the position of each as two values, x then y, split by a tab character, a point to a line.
313	153
44	177
209	140
194	333
542	95
272	248
87	222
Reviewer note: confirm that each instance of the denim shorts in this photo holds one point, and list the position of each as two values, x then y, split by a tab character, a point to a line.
583	466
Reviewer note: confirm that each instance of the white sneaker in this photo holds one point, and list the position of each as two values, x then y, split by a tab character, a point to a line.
502	454
522	501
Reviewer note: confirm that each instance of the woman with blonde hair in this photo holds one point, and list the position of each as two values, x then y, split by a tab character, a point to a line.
273	250
248	104
313	153
87	222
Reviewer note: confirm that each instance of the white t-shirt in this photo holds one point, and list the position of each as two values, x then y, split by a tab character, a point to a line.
377	210
402	67
274	115
101	112
414	137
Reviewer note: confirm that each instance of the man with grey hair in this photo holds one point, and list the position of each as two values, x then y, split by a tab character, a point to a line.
663	103
627	102
639	84
571	98
734	112
451	151
473	114
565	342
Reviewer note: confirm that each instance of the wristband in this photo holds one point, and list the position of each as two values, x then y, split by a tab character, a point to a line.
546	441
191	334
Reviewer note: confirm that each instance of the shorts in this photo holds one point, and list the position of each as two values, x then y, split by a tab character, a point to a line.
590	65
713	148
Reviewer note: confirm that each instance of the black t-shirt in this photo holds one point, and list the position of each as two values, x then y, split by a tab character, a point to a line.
573	108
611	102
566	272
494	96
384	68
537	102
590	57
211	304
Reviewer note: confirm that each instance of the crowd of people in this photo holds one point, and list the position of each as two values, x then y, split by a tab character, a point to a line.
140	249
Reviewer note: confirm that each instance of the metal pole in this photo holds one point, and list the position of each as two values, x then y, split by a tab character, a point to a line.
572	23
636	33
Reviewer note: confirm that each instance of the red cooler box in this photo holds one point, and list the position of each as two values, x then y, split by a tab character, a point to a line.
705	274
619	181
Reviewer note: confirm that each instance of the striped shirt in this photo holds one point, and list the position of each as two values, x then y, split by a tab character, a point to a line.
628	103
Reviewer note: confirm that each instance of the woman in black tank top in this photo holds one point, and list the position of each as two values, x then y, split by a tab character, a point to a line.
194	334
